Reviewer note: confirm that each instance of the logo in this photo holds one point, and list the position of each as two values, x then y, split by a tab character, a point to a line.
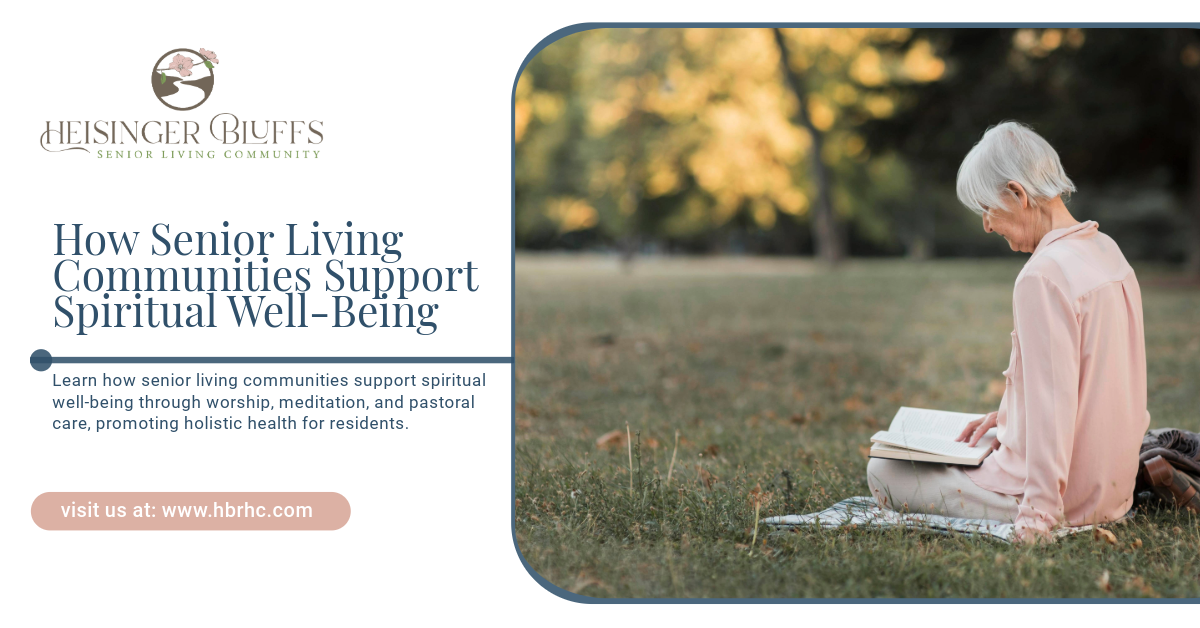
183	78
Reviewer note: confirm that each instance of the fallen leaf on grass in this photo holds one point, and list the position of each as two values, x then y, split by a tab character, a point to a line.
706	477
759	498
611	440
1102	534
711	451
1103	582
809	416
1137	584
853	404
583	581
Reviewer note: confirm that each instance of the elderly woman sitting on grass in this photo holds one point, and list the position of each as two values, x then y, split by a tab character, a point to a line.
1074	407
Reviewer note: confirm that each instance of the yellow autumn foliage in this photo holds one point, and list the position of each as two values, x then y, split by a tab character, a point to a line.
705	113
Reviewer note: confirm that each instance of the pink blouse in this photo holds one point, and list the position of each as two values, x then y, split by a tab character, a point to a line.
1074	408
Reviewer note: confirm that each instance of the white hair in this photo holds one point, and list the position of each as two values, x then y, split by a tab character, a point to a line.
1010	151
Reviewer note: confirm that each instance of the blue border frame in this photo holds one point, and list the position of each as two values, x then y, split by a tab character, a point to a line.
586	26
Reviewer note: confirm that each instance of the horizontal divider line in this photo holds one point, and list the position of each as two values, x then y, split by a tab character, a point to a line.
282	360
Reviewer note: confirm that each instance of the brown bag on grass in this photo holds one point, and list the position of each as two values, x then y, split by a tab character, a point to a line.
1170	467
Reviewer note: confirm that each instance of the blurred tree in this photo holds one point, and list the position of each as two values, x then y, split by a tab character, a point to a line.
850	77
827	231
685	130
687	135
547	125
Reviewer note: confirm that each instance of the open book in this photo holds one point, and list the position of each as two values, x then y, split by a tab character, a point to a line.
928	436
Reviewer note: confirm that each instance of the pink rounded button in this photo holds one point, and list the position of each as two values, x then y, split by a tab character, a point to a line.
190	511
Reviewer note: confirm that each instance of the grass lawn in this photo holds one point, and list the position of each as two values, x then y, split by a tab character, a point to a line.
770	372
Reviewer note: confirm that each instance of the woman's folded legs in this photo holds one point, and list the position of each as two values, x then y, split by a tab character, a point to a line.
939	489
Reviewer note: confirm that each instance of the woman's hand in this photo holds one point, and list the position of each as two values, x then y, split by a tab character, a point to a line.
1033	536
977	428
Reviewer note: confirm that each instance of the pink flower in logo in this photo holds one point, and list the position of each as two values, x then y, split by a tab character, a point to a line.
182	64
210	55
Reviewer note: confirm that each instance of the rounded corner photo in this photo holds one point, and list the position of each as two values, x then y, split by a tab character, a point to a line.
857	313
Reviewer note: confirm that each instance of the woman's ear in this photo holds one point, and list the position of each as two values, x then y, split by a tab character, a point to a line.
1018	192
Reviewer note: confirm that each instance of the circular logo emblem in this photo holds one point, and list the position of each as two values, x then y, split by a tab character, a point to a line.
183	78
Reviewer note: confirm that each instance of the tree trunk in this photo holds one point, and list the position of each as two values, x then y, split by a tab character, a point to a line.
1193	245
922	228
826	231
919	248
632	240
928	235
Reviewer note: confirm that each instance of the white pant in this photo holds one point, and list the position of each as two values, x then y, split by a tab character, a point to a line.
938	489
